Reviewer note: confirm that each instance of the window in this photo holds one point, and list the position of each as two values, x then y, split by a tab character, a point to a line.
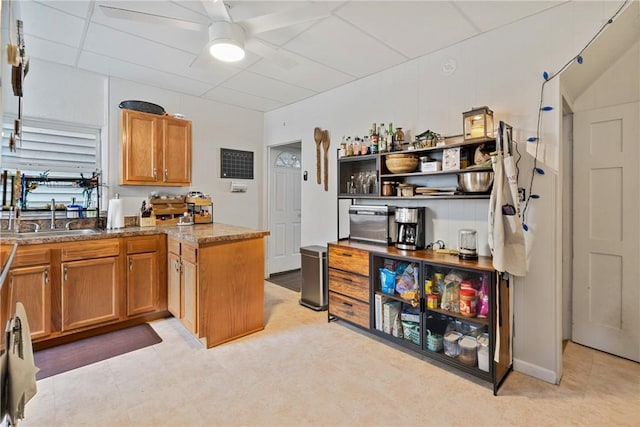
287	160
53	150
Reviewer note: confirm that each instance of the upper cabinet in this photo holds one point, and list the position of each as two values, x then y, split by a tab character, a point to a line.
156	150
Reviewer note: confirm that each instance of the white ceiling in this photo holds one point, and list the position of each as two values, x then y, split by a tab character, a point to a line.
354	39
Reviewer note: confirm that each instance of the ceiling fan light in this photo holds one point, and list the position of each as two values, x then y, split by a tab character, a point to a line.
226	50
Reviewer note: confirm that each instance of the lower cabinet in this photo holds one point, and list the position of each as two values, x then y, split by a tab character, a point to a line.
145	272
90	285
349	284
29	281
183	283
75	287
436	305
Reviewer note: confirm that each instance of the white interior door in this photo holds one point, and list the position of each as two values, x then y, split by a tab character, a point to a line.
606	267
285	209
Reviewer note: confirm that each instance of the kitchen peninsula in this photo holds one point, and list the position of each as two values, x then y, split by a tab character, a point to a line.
210	276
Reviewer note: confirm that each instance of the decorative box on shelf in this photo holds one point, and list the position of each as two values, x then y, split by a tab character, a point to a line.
168	209
201	207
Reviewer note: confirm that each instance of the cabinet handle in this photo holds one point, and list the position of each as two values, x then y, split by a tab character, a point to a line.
345	254
166	174
65	273
130	264
155	174
46	276
347	304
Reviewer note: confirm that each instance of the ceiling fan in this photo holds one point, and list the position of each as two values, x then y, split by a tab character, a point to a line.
229	38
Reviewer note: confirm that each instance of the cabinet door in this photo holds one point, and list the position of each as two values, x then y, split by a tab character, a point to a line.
174	277
30	286
141	139
176	152
190	295
90	293
142	283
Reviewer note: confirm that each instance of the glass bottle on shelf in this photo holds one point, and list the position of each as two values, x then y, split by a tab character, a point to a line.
399	137
390	137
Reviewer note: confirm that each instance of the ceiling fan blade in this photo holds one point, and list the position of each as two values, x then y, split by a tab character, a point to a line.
274	55
217	10
133	15
296	15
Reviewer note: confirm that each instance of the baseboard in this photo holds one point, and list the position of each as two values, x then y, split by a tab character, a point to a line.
535	371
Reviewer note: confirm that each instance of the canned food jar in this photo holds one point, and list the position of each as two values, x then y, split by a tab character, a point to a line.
468	302
433	300
387	188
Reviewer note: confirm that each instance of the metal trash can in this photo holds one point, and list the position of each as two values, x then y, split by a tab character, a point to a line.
313	292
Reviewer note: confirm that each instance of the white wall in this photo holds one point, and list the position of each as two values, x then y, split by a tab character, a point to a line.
63	93
501	69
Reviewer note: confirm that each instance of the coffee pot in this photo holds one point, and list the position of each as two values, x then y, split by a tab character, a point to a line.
410	227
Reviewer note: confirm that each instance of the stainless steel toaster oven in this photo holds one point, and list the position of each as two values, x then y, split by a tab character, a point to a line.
373	224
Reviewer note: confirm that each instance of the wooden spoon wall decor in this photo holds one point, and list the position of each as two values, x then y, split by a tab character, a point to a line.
318	135
325	146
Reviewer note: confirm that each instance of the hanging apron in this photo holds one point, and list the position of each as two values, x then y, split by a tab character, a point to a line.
506	235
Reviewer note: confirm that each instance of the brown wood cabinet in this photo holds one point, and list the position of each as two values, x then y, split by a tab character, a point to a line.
217	289
156	150
349	284
182	286
145	268
90	285
29	281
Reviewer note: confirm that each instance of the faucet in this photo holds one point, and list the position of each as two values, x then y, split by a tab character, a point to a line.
10	222
36	226
53	214
68	224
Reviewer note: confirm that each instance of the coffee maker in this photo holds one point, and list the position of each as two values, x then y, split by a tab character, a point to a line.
410	228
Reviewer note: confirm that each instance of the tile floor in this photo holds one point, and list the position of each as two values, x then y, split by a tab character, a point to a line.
303	371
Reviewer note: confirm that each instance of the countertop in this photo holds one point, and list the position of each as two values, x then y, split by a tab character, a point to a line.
197	233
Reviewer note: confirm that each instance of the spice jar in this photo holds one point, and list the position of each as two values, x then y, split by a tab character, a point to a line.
387	188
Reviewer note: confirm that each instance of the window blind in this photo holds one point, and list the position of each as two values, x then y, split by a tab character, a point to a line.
55	149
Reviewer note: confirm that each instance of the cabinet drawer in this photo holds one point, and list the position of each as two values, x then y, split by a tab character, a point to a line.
89	249
349	284
349	259
137	245
31	255
349	309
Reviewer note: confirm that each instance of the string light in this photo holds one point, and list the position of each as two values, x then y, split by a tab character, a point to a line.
547	77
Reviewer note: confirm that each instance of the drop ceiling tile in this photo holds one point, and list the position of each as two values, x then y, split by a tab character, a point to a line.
307	74
185	40
136	50
241	99
338	45
265	87
50	51
148	76
487	15
413	28
76	8
51	24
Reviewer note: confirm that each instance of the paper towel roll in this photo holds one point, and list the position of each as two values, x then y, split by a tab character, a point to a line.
115	214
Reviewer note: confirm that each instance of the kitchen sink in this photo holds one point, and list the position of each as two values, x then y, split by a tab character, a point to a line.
60	232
